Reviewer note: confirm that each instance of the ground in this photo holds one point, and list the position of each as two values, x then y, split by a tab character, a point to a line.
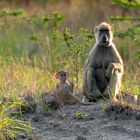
84	122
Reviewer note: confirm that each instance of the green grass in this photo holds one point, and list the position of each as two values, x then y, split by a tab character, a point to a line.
10	127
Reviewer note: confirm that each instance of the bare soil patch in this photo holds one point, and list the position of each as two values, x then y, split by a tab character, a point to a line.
83	122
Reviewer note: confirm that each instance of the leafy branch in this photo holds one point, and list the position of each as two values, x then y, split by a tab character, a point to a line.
127	3
77	47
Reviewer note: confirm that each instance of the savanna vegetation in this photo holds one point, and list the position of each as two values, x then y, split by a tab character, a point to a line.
40	37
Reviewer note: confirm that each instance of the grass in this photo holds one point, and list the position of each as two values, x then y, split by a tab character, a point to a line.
123	110
10	127
82	115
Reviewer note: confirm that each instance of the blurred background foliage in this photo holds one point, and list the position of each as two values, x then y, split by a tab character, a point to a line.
40	37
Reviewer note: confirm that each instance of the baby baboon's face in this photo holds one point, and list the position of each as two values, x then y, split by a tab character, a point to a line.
63	76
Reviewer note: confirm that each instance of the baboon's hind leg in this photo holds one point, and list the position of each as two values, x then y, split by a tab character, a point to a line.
90	88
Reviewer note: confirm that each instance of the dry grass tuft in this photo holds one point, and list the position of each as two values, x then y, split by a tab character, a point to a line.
123	110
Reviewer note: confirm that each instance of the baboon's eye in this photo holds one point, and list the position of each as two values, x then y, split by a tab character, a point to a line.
104	31
107	32
63	75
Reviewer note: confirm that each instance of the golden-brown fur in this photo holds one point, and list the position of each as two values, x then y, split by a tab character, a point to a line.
64	89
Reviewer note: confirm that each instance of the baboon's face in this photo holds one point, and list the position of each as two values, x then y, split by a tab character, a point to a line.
104	34
63	76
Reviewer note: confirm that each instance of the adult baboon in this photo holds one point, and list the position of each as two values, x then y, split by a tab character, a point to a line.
103	69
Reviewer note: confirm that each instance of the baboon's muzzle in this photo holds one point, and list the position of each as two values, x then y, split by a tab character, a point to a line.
105	40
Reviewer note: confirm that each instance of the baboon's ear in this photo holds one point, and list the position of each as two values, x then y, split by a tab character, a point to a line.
96	29
56	75
112	29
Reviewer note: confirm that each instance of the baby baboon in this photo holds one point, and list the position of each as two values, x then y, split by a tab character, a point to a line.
103	69
64	89
62	76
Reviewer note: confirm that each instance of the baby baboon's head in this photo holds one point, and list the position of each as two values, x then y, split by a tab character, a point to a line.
61	75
